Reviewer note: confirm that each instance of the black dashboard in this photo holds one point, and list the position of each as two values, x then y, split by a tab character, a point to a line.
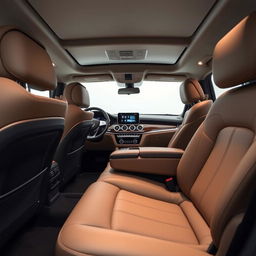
128	128
146	119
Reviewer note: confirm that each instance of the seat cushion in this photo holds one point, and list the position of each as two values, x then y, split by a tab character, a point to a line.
110	220
149	217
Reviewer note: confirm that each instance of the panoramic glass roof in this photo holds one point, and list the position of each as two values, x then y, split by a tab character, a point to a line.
88	30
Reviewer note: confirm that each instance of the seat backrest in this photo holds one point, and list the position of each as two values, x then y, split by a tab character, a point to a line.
30	128
190	93
77	126
218	170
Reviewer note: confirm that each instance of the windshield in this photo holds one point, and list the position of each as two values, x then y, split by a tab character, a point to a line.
154	98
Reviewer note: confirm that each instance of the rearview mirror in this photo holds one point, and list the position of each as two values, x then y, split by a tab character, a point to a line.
129	91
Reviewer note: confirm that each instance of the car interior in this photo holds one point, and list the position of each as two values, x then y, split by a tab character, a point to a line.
128	128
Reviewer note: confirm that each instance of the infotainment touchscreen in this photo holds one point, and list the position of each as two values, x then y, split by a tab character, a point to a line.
128	118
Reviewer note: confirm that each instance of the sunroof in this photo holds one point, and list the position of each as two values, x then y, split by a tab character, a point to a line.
103	22
100	19
158	54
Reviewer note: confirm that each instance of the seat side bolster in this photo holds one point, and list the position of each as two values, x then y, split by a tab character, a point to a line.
192	120
199	226
95	208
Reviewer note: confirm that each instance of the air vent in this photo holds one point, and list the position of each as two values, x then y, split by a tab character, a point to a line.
126	54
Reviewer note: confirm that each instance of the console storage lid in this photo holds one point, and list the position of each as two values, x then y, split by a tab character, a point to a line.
153	160
160	152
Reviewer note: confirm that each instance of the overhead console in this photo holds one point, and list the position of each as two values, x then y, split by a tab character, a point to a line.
128	130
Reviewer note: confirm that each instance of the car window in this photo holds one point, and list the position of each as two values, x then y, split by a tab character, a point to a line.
40	93
154	98
218	91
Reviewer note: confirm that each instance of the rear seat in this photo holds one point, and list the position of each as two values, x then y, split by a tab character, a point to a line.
125	215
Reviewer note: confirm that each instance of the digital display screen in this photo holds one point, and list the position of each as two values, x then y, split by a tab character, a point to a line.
128	118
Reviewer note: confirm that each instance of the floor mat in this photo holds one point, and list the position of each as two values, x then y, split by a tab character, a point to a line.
38	241
56	214
82	182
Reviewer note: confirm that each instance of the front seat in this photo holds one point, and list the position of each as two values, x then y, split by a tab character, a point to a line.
191	93
216	175
77	126
30	128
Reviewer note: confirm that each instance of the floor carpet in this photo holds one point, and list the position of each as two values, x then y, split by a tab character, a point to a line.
82	182
37	241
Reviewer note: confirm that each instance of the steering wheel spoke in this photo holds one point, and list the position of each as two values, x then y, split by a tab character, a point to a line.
99	127
103	123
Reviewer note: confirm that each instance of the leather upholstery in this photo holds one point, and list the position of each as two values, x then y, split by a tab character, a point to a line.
226	142
124	223
74	116
76	94
154	160
16	104
30	128
192	120
16	48
191	91
234	57
77	127
216	174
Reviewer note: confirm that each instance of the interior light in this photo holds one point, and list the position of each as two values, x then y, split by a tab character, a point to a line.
204	61
54	65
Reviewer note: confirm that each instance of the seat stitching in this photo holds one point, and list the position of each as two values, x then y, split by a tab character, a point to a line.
135	233
148	206
114	205
190	225
163	222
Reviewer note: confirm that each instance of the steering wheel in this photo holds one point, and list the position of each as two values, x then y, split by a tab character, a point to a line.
99	127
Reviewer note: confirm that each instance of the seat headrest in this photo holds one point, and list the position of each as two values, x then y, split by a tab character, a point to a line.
23	59
234	57
77	94
191	91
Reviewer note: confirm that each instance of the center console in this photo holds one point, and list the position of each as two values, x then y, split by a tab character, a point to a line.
149	160
128	131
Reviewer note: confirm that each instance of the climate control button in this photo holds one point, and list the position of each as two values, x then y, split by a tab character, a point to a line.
117	128
125	127
140	127
132	127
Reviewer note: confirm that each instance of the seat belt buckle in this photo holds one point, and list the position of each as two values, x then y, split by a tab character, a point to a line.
171	184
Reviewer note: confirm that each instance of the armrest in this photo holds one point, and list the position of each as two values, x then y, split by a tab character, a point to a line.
151	160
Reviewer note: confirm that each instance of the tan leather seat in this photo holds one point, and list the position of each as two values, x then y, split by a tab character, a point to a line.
30	128
124	215
77	127
77	97
190	93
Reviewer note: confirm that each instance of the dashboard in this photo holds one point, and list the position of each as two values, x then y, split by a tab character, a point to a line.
128	122
134	129
128	118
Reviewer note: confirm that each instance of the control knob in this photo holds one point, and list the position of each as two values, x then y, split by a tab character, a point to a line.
132	127
139	127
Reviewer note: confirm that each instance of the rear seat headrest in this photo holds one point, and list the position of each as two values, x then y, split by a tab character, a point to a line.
76	94
234	57
191	91
23	59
